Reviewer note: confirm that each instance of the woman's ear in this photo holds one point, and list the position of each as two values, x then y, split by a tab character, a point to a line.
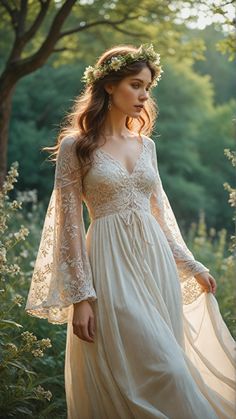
108	88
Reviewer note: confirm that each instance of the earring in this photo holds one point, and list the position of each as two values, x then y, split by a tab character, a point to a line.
109	103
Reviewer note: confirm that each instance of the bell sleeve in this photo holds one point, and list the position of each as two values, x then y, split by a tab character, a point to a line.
62	273
161	209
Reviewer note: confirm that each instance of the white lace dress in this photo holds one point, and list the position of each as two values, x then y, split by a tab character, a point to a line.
162	349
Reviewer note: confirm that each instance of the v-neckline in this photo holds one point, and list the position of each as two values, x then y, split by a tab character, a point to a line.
118	162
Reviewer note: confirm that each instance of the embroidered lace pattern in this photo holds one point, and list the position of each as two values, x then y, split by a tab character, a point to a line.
62	273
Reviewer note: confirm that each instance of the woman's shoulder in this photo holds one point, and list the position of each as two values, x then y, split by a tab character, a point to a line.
68	141
148	139
67	154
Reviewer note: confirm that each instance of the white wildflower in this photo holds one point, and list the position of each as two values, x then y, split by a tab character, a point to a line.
11	348
24	254
38	353
21	234
16	205
28	337
45	343
39	391
116	63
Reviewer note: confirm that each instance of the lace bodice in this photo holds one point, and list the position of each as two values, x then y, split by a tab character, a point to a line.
62	273
115	189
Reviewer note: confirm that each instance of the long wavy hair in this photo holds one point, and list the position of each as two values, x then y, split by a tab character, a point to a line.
86	119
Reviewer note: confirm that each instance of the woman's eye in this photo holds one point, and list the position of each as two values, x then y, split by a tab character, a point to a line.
137	85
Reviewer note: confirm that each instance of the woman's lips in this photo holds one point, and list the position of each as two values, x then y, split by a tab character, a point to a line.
139	107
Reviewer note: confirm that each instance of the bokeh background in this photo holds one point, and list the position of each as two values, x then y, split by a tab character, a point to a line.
44	49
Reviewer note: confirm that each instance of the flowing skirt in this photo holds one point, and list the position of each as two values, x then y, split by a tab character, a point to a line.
153	356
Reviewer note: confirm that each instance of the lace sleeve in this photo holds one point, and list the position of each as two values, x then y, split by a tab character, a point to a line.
161	209
62	273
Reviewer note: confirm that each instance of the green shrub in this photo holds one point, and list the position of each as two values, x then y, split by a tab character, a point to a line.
22	370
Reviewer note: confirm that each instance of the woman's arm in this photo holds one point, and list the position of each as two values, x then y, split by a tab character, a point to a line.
162	211
62	274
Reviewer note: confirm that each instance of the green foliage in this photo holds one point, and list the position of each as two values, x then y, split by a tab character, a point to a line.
34	115
231	155
212	249
99	25
227	46
221	15
221	70
217	251
23	369
192	135
216	130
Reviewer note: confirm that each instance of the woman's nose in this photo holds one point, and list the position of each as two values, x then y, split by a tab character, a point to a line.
144	96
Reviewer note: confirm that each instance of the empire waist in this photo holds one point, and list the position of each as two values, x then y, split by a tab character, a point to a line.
125	210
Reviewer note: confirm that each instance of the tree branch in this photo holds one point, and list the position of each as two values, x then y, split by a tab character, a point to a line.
20	68
21	17
7	7
22	37
130	33
62	49
224	4
13	13
37	22
97	22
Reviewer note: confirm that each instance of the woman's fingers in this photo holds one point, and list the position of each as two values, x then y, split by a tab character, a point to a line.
85	333
84	330
91	326
207	282
213	284
83	321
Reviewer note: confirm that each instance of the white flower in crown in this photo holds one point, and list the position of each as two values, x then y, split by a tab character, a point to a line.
157	60
88	71
88	74
158	76
115	63
148	51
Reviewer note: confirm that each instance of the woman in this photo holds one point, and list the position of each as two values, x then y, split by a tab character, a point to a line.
145	338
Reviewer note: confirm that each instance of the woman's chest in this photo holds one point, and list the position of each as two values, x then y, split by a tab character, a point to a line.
108	178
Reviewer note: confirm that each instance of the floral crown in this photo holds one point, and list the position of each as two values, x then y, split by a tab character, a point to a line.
145	52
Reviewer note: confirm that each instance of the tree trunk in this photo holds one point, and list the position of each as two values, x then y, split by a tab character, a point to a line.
5	115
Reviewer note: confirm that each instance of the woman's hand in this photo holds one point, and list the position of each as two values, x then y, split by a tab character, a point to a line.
207	282
83	321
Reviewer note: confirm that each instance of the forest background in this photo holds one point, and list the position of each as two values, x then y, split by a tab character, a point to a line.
194	130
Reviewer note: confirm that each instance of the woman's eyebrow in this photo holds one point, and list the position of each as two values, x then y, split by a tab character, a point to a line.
140	80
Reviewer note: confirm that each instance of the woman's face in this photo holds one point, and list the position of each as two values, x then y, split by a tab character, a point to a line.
130	92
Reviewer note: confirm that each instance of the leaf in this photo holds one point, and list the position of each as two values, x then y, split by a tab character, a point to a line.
24	410
21	367
10	323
